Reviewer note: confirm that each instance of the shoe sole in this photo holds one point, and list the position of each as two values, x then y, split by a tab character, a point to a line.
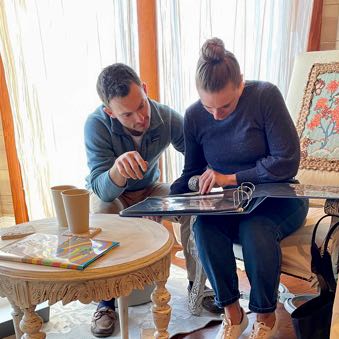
102	335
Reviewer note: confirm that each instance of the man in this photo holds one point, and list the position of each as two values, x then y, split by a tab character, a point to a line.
124	140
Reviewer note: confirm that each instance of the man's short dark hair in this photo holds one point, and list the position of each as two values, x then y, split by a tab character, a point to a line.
115	81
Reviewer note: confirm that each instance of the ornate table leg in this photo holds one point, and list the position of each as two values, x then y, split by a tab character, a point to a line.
161	310
31	324
17	316
123	316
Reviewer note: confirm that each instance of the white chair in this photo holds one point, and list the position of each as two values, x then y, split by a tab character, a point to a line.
317	166
311	74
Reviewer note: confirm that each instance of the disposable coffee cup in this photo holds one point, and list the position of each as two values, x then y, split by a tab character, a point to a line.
76	203
59	204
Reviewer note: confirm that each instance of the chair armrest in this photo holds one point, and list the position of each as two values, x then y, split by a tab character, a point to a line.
332	207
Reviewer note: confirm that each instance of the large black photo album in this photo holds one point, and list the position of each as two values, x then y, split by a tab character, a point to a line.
237	200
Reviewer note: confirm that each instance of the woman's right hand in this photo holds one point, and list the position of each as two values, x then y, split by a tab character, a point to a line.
211	178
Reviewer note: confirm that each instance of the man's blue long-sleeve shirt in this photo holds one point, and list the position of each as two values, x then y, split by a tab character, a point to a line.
258	141
106	140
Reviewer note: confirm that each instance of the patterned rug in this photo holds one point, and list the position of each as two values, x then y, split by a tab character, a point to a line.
73	320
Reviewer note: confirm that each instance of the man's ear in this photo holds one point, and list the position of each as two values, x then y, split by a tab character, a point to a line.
109	112
242	81
144	86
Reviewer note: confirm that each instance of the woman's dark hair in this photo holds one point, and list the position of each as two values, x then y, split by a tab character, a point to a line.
115	81
216	67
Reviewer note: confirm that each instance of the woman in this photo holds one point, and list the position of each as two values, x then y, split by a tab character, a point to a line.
238	132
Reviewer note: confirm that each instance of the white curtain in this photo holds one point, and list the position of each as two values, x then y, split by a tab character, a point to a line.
264	35
53	51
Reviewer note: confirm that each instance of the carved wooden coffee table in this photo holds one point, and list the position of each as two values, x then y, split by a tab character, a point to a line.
143	257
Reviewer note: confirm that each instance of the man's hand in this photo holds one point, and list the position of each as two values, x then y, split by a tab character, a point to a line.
129	165
211	178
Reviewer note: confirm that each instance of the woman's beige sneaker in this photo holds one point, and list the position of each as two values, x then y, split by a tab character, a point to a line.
261	331
229	331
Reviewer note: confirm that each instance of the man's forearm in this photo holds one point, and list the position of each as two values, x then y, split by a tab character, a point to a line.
116	177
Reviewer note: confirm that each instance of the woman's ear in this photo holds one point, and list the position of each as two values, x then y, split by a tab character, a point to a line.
242	84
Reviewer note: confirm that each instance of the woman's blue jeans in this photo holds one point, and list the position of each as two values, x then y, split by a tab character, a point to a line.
259	233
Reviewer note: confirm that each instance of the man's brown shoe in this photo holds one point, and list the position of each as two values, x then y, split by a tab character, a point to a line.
103	322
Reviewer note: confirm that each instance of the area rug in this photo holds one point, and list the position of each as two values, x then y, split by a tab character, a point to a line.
73	320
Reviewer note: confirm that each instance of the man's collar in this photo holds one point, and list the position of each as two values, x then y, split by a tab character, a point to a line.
156	119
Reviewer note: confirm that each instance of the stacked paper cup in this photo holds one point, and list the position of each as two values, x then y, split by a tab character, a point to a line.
72	208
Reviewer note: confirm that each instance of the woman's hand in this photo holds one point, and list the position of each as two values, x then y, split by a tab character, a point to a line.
211	178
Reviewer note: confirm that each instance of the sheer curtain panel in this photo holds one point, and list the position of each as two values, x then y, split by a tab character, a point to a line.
264	35
53	51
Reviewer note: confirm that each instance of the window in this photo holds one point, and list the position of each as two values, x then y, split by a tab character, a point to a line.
264	35
53	51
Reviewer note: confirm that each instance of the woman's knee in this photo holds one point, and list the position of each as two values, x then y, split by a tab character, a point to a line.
259	239
203	231
256	228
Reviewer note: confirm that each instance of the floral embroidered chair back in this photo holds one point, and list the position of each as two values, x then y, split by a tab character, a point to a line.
316	114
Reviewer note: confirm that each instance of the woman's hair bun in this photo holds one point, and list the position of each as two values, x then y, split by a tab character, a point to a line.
216	67
213	50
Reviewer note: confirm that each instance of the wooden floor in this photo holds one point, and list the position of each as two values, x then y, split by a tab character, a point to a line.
285	331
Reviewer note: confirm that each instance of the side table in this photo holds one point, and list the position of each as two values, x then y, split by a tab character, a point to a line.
143	257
